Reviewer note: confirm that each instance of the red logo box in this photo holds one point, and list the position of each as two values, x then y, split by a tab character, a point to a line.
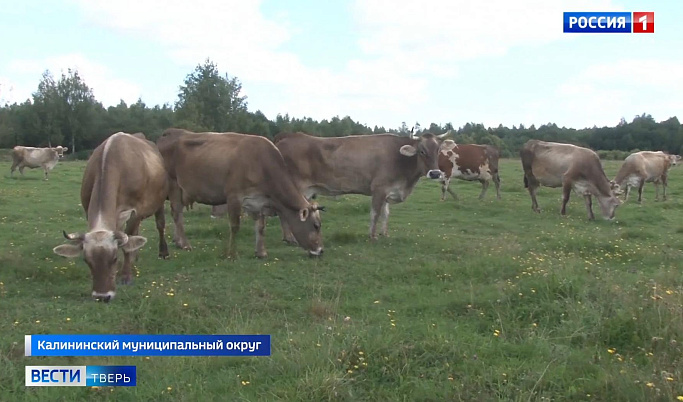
643	22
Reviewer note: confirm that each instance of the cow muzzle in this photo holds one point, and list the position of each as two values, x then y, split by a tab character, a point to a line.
316	253
435	174
104	297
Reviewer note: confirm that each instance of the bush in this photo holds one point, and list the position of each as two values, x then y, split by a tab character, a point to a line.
83	155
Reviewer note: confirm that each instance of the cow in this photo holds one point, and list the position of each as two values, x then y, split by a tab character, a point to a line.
124	182
645	167
383	166
243	171
469	162
568	166
31	158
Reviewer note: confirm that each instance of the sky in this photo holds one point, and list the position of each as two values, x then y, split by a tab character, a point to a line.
381	62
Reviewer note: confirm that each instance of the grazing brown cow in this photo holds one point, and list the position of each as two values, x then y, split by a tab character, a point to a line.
31	158
645	167
469	162
243	171
124	182
553	164
384	166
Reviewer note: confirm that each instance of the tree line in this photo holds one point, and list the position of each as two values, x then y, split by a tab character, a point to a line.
65	111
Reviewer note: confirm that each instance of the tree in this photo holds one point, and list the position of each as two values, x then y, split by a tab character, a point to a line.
66	109
209	101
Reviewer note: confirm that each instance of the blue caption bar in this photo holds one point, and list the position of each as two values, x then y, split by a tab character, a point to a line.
606	22
110	376
81	376
147	345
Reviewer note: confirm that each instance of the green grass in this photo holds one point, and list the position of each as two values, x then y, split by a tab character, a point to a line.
468	300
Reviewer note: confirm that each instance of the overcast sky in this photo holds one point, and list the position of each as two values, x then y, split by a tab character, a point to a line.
381	62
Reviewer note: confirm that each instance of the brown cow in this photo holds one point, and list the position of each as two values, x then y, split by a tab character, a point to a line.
554	165
124	182
645	167
243	171
384	166
469	162
31	158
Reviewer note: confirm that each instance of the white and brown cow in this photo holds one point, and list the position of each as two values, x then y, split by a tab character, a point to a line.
124	182
645	167
30	157
469	162
552	164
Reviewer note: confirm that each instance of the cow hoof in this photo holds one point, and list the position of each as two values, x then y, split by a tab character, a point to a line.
373	238
163	256
126	281
261	256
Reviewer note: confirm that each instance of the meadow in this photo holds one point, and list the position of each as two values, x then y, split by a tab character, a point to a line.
466	300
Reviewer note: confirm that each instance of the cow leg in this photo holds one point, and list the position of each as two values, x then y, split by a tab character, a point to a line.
484	187
132	229
445	186
179	237
46	170
566	192
287	235
13	168
656	183
378	202
534	203
589	206
664	184
160	219
496	181
234	212
627	192
259	228
384	218
640	190
21	170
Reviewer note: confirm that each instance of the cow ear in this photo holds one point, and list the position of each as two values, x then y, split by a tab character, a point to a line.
134	243
408	150
303	214
69	250
448	145
65	149
124	216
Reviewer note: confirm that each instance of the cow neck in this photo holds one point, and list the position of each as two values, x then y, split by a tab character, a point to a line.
602	185
102	211
285	193
621	174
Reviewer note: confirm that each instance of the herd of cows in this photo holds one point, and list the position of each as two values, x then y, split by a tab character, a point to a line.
128	178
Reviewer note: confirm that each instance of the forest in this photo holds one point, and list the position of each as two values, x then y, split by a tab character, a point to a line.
63	110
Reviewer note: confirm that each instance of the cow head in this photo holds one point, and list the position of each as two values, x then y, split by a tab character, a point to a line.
615	187
100	250
306	227
608	205
60	151
674	159
426	148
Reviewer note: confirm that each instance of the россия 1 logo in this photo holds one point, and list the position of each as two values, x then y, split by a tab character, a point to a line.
609	22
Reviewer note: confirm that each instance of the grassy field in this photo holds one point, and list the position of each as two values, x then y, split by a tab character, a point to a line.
468	300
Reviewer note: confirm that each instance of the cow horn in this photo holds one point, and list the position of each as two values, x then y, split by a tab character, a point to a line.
442	136
320	208
72	236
